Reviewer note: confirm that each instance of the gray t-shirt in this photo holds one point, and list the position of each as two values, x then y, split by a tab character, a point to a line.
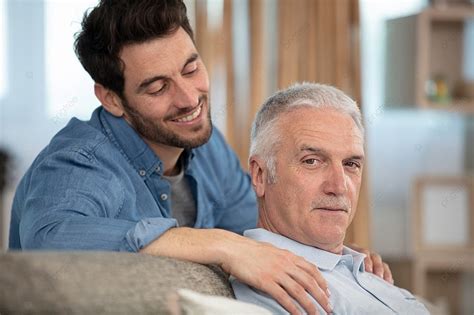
183	206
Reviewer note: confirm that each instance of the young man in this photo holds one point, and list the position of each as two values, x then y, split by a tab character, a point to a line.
307	178
148	173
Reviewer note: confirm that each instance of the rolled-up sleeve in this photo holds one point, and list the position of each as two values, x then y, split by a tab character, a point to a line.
145	231
72	202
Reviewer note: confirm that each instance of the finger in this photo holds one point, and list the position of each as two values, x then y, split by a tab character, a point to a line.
282	297
314	273
369	267
387	274
377	265
299	294
311	286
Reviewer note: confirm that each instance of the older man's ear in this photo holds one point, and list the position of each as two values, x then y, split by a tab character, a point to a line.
258	175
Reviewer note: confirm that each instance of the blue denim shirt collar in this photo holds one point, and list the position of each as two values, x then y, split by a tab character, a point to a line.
323	259
132	146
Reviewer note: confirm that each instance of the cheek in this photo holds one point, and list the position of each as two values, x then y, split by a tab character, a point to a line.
155	108
353	193
202	80
354	182
281	200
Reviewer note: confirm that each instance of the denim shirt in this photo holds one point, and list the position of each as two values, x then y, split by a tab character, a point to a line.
99	186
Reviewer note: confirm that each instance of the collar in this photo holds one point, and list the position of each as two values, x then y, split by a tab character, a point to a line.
323	259
132	146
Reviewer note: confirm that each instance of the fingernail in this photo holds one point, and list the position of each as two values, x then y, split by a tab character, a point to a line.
328	292
330	307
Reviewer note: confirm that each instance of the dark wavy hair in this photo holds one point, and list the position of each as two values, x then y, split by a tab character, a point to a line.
112	24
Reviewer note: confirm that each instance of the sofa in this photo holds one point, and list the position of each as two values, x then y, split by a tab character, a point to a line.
100	282
38	282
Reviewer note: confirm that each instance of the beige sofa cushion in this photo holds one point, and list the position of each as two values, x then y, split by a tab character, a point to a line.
99	282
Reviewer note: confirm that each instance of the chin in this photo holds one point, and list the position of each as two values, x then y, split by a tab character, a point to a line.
331	240
198	140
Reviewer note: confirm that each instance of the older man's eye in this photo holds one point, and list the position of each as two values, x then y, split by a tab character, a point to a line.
311	161
353	165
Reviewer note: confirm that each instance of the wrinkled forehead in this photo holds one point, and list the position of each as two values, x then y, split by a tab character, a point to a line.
328	128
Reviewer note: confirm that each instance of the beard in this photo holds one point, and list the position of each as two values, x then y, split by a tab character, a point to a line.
157	132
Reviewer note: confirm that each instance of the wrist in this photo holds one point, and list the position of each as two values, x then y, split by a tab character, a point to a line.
229	247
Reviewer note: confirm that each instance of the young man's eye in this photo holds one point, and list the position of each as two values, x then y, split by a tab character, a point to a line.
190	69
158	90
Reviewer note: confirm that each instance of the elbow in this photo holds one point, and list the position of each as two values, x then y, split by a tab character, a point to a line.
33	236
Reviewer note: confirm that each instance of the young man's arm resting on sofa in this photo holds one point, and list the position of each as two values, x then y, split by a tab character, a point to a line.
277	272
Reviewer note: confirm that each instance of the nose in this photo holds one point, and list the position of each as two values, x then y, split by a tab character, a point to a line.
186	95
335	183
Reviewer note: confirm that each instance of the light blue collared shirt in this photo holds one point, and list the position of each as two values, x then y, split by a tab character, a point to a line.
353	291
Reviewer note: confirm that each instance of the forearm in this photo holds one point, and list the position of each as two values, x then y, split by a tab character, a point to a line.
63	230
204	246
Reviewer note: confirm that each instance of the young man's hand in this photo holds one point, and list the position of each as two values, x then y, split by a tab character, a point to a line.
374	264
279	273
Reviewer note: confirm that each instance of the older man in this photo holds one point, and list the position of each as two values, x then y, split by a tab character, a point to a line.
306	161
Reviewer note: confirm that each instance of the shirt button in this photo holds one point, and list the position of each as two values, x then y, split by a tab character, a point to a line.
164	197
142	172
158	169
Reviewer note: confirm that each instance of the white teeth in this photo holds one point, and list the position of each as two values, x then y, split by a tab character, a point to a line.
193	116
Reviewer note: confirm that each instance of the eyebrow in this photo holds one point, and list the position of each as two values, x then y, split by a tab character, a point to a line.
323	152
145	83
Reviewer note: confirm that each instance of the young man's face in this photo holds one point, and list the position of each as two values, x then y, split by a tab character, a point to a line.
166	91
319	162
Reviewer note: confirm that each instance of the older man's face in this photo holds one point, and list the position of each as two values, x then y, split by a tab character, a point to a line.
318	174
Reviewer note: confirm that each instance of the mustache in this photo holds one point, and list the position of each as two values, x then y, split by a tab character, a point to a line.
331	202
187	110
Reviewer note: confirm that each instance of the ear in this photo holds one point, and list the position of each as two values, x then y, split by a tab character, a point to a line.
258	175
109	99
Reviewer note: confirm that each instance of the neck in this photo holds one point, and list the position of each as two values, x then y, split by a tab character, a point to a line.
169	156
264	222
335	250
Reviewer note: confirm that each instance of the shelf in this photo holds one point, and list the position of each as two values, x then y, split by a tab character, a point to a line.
458	106
423	47
454	260
454	13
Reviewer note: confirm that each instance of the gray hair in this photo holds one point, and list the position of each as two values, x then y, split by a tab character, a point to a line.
264	137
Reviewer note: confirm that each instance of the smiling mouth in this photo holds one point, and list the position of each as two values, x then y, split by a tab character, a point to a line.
191	116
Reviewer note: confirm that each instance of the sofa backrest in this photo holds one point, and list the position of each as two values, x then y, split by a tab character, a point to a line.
99	282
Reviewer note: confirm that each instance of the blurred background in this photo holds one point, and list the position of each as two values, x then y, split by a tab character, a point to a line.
409	64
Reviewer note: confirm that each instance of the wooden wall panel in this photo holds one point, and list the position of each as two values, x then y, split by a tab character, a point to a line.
289	34
258	75
202	35
312	41
229	62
